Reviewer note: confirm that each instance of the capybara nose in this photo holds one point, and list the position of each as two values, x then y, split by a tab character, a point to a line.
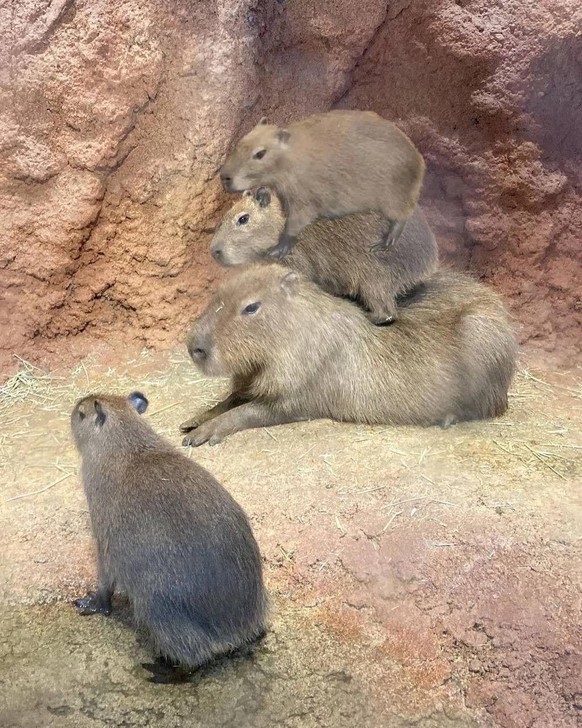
198	353
197	350
226	181
217	254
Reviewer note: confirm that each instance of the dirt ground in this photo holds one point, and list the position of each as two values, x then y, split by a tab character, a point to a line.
419	577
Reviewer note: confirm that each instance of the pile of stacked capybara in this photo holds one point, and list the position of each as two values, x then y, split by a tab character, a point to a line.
338	310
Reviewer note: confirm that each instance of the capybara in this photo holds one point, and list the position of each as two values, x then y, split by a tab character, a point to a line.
294	353
330	252
169	536
330	165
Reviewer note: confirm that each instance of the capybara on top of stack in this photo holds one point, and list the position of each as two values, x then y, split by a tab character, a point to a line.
330	165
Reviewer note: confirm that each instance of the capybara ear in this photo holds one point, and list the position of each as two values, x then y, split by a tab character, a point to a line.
101	416
283	135
290	282
247	193
264	120
138	401
263	197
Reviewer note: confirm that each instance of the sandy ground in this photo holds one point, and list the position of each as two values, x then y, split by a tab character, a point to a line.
419	577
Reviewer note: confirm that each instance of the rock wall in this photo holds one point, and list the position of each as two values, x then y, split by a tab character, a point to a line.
116	114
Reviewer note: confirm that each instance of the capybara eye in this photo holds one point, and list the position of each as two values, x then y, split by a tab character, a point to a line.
260	154
251	308
243	219
81	415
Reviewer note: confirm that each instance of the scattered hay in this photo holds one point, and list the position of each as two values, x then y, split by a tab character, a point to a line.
32	385
528	376
29	384
41	490
35	406
391	520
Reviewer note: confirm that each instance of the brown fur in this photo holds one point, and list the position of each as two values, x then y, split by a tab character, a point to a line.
335	254
168	535
330	165
305	354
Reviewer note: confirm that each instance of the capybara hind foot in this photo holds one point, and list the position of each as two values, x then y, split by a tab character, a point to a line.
94	603
391	234
165	672
448	421
381	318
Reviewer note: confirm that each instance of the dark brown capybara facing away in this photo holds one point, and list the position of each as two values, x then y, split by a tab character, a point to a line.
330	165
295	353
169	536
335	254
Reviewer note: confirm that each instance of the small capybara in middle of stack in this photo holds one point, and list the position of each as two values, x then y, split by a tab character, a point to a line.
169	536
335	254
294	353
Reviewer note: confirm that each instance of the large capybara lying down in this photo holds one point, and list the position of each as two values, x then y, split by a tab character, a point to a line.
295	352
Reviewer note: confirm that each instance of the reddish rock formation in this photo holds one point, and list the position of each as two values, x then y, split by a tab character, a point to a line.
116	115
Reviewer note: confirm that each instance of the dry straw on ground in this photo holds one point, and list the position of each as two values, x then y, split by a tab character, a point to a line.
525	434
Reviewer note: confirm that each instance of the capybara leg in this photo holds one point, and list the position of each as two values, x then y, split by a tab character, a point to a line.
448	421
296	221
248	415
390	235
165	672
98	602
381	313
233	400
379	302
285	245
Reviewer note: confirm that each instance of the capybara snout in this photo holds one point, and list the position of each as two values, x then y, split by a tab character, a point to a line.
226	181
199	344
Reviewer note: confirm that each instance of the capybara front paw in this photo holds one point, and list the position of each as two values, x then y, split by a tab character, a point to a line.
201	435
189	425
279	251
285	244
92	604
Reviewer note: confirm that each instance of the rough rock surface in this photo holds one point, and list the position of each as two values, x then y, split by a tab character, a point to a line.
115	114
492	94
